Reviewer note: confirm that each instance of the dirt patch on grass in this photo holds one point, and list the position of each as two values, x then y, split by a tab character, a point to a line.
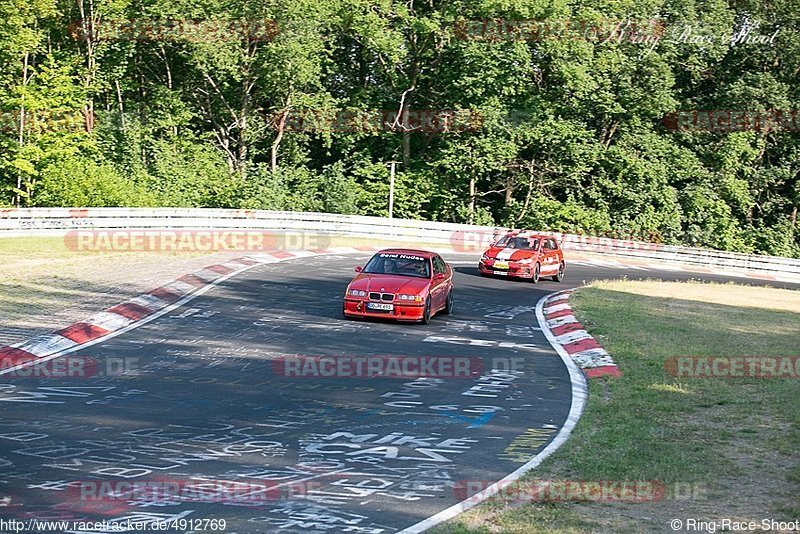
711	293
39	295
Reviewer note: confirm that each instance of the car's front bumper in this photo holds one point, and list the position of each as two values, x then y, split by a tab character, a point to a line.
514	270
401	312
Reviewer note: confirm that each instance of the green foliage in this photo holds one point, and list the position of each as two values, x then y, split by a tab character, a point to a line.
81	182
186	174
263	190
708	221
568	216
565	133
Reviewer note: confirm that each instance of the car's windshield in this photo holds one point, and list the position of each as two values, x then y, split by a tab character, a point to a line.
398	264
522	243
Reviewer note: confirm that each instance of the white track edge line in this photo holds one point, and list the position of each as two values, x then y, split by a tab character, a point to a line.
155	315
580	392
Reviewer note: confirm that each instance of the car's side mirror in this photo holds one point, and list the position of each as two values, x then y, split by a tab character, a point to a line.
359	268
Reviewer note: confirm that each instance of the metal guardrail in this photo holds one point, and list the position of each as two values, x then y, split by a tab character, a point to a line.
461	237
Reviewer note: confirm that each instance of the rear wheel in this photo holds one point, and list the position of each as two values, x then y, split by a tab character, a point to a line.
559	276
536	269
448	306
426	313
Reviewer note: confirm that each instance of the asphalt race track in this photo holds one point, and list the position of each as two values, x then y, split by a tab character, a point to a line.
202	402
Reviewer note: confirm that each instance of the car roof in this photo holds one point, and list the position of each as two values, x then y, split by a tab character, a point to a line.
415	252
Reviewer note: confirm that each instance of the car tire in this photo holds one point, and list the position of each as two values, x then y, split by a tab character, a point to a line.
448	305
426	312
536	271
559	276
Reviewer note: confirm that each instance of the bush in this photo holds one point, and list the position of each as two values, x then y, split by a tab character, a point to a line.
263	190
85	183
547	214
190	174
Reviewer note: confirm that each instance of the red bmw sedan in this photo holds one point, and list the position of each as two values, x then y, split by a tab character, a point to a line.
401	284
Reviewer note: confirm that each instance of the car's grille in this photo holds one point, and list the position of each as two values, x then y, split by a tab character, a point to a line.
389	297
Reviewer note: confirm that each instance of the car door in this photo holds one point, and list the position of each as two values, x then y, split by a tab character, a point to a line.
549	256
439	283
558	255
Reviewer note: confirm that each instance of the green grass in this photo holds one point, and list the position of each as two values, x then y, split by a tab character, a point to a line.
736	439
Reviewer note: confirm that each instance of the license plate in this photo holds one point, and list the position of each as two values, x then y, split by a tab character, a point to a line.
379	306
500	265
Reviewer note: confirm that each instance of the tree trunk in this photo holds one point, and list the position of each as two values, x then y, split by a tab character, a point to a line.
89	29
21	137
527	197
242	148
509	191
281	124
168	72
243	143
472	197
401	121
119	105
406	149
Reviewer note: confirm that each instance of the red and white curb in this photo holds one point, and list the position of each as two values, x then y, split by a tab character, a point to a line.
569	337
580	392
141	309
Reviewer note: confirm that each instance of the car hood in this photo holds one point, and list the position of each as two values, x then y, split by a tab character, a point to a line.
509	254
387	283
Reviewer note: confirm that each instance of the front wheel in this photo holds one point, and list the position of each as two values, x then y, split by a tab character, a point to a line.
536	269
426	313
448	306
559	276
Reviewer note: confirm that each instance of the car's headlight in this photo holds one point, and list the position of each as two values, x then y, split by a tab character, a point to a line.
484	257
525	261
357	293
412	298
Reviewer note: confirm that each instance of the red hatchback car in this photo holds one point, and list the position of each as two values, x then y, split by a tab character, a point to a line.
401	284
524	254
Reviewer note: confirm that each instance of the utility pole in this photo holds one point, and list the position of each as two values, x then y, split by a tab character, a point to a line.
391	189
